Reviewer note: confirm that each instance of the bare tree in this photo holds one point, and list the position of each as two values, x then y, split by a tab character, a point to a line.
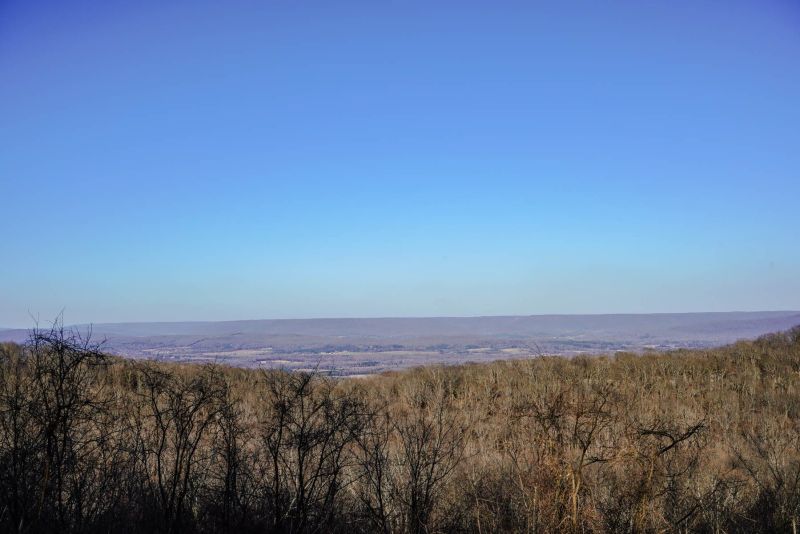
21	439
407	457
307	429
174	419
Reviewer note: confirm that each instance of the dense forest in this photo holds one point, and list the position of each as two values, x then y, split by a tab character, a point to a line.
685	441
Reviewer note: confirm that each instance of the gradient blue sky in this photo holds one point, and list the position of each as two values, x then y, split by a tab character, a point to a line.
225	160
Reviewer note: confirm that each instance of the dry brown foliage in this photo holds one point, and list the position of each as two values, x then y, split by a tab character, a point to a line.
686	441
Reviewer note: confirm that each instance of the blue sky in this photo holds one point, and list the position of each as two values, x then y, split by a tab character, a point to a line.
230	160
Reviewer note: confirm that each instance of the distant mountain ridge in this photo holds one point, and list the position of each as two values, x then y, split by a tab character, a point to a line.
714	323
375	344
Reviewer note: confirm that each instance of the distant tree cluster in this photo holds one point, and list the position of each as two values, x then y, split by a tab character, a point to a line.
686	441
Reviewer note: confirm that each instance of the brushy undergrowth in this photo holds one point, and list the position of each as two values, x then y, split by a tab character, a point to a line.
685	441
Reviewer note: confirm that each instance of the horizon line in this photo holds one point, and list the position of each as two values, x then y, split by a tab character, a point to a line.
388	317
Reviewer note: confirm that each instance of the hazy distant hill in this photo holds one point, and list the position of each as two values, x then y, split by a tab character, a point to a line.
355	346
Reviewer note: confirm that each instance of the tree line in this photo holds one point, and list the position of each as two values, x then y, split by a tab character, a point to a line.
685	441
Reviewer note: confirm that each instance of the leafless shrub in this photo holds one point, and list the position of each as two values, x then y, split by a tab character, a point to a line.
700	441
407	457
307	430
173	422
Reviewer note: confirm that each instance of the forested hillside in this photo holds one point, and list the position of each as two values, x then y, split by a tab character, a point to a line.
704	441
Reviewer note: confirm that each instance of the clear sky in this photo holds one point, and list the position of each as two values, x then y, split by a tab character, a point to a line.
227	160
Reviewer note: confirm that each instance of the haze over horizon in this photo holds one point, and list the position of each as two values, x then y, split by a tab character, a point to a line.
43	322
358	346
166	161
